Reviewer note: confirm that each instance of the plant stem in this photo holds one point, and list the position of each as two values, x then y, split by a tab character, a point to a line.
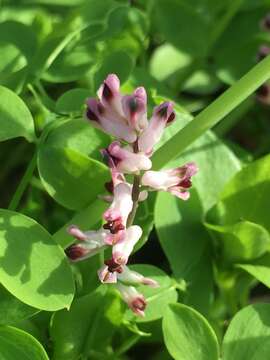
215	112
127	345
23	184
135	197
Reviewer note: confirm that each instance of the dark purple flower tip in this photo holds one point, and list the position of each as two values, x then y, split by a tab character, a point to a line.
266	22
166	112
113	266
114	226
263	94
75	252
186	183
263	52
109	186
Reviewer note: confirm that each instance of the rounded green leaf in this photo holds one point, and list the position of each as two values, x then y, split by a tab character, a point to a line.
157	298
15	118
187	334
79	135
17	344
72	101
71	178
248	335
32	266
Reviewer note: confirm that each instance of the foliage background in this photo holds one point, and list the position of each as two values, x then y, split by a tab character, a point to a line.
54	54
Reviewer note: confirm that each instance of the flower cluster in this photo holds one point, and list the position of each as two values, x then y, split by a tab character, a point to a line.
125	118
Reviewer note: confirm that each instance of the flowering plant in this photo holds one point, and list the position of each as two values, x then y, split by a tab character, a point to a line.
134	218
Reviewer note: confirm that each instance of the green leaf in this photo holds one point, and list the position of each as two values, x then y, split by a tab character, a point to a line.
174	19
12	310
211	115
17	344
246	196
187	334
242	241
248	335
260	269
68	176
118	62
78	135
244	36
88	327
72	101
86	219
32	267
15	118
157	298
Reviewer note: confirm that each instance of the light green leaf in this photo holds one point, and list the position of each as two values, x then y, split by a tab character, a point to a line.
15	118
242	241
173	19
260	269
248	335
32	267
72	101
187	334
157	298
245	197
79	135
17	344
88	327
118	62
71	178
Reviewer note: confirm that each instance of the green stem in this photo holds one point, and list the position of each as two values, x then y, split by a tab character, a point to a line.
23	184
215	112
127	345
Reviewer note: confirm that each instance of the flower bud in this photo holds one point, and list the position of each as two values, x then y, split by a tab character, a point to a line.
134	108
135	301
162	117
130	277
123	248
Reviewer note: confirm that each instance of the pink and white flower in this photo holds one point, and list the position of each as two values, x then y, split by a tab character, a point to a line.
176	181
90	243
130	277
123	248
124	160
134	108
163	116
116	215
135	300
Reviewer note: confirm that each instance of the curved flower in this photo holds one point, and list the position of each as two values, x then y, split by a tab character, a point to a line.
134	278
135	301
123	248
116	215
134	108
90	243
162	117
176	181
124	160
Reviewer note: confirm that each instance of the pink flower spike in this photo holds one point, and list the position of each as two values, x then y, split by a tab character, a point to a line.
163	116
130	277
125	160
134	108
123	249
135	301
176	181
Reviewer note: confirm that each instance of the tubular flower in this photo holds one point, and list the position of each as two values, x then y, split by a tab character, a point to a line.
123	248
134	108
135	301
116	215
176	181
163	116
125	118
90	243
124	160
